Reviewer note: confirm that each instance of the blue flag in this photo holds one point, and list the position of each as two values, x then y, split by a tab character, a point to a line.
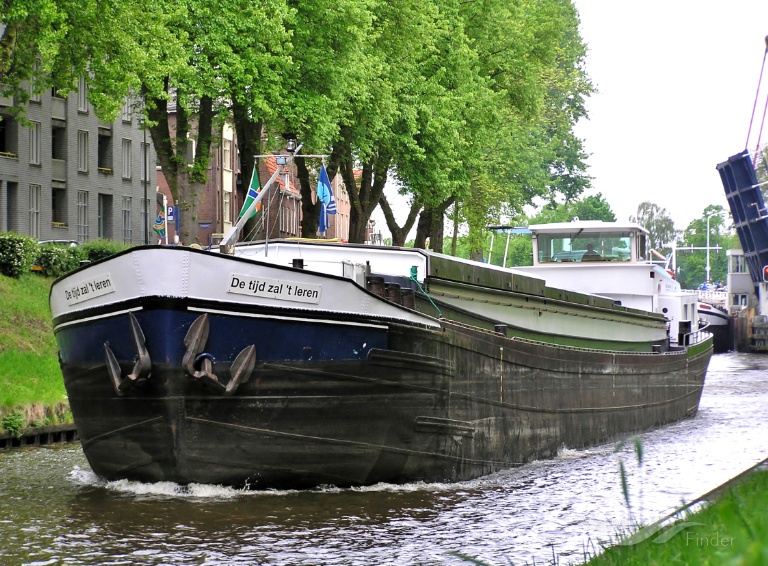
325	196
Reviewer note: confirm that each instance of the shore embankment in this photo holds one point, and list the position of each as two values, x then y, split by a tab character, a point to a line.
32	394
728	525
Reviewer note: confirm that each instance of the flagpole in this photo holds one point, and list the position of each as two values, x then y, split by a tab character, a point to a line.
227	243
231	237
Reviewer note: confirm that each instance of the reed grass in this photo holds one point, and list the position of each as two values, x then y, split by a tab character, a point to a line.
733	529
31	384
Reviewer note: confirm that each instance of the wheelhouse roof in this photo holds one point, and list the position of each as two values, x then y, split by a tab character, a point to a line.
587	226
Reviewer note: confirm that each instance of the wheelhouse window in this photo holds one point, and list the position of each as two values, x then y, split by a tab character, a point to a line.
579	246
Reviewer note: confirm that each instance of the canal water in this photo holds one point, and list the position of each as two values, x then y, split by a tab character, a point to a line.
53	510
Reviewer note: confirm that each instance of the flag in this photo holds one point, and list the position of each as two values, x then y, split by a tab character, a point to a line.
253	191
325	196
159	225
331	204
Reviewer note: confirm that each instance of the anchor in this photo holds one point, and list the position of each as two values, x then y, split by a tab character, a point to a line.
199	364
142	365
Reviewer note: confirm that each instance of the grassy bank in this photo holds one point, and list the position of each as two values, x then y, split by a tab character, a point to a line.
731	530
31	387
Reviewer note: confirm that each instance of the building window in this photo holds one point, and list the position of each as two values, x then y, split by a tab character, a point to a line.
226	205
105	217
58	207
34	97
82	151
127	229
9	137
227	155
58	143
126	159
13	204
34	143
82	216
105	154
125	111
190	155
82	95
35	192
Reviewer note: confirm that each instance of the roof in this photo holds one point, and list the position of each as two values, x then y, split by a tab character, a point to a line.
587	226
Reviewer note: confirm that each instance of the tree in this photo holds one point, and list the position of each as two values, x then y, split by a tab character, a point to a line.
48	44
658	223
531	55
692	264
472	113
225	66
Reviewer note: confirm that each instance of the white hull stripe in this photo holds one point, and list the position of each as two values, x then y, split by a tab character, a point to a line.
227	313
99	317
289	318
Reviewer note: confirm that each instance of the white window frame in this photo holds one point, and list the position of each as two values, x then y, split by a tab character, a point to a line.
34	143
82	95
127	227
126	111
227	207
227	154
126	149
82	151
35	195
32	96
82	216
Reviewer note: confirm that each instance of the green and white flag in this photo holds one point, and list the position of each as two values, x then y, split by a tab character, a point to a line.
253	191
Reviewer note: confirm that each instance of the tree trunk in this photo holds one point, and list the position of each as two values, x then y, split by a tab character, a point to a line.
431	227
399	234
363	196
249	145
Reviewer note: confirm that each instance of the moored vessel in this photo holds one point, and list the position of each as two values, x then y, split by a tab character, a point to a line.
297	364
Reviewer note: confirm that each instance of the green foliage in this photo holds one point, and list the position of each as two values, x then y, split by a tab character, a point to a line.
692	264
55	260
452	101
100	249
13	423
29	367
658	223
17	254
638	448
729	530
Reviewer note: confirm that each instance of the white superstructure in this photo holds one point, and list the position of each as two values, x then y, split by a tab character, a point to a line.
617	268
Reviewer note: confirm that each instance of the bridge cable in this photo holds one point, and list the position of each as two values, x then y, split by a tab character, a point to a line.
757	94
